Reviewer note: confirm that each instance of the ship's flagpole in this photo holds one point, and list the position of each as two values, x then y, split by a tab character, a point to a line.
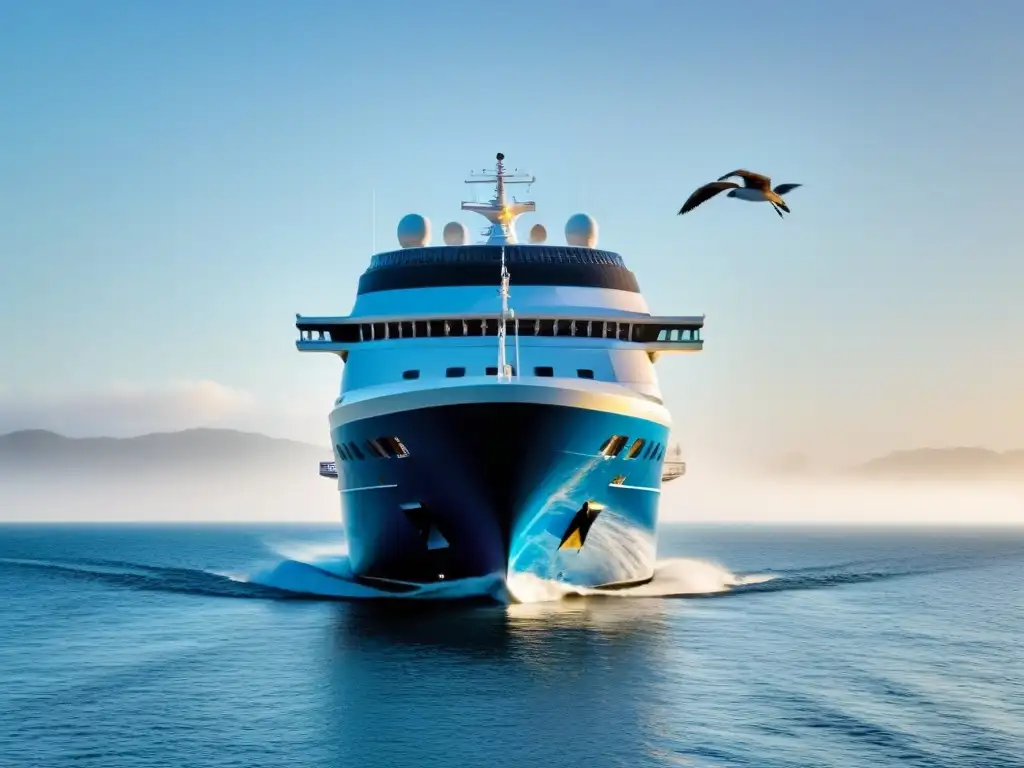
503	290
517	346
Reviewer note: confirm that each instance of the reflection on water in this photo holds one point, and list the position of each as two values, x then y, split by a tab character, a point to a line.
517	683
488	628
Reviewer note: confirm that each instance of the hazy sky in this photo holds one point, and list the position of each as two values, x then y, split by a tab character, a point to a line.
178	179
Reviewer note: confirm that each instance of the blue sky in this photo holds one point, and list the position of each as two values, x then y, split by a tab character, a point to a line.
178	179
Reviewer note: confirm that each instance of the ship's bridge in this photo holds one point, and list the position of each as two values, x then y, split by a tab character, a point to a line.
573	298
650	333
480	265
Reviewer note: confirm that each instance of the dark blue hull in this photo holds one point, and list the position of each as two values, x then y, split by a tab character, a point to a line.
491	488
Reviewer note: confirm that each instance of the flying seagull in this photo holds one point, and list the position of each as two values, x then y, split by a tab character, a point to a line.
756	189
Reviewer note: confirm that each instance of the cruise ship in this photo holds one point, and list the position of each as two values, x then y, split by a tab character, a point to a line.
499	411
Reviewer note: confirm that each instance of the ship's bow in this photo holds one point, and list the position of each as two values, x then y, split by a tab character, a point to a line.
469	489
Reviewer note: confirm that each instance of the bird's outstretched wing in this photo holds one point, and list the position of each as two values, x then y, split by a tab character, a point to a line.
751	179
702	194
783	189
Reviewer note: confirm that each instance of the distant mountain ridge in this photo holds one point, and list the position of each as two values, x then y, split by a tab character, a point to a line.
196	474
202	450
959	463
208	450
30	439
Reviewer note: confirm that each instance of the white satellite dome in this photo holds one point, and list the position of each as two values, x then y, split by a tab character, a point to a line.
455	233
413	231
581	230
538	234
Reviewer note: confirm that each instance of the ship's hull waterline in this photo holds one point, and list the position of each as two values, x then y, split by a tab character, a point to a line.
488	488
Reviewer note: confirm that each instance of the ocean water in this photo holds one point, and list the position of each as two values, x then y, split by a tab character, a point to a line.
220	646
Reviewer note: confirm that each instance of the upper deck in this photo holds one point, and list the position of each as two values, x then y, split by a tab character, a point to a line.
650	333
573	295
461	265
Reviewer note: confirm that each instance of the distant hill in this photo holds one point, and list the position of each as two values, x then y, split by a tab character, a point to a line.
947	463
196	474
199	452
192	451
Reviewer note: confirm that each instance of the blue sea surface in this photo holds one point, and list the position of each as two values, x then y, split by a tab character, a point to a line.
770	647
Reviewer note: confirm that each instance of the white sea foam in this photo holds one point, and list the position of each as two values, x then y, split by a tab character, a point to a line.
321	568
673	577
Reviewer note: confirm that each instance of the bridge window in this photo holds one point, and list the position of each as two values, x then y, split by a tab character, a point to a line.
454	373
492	370
354	450
345	333
613	445
342	456
543	370
635	448
410	374
584	373
650	450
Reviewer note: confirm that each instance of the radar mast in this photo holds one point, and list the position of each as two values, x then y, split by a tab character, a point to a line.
501	213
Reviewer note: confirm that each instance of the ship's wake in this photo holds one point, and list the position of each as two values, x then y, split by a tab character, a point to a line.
324	571
320	570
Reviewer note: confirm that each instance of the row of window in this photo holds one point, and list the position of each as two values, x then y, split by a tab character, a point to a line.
622	330
613	446
394	448
492	370
380	447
